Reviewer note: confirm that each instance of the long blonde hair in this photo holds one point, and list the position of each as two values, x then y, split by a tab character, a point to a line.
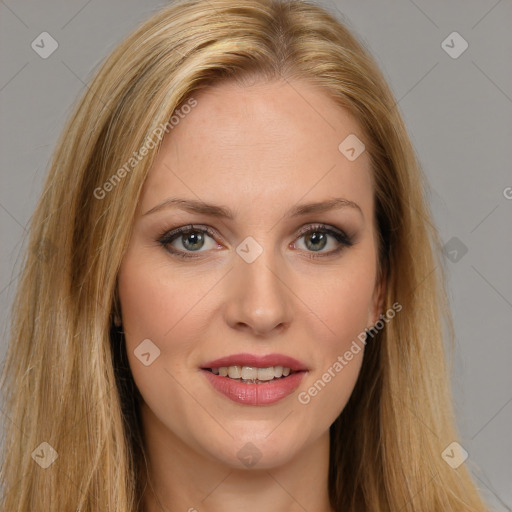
67	383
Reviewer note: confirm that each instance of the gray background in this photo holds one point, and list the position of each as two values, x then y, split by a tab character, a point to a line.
459	115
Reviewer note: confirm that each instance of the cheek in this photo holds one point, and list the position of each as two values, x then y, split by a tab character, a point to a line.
157	307
156	301
166	307
150	309
342	303
144	311
325	395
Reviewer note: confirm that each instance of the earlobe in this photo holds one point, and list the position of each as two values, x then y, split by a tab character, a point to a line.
117	320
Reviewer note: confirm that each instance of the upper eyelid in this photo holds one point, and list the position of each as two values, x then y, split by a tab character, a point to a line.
208	229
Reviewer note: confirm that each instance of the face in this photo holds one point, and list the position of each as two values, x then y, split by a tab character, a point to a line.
272	285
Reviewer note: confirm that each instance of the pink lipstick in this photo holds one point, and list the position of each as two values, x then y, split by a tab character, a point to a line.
255	380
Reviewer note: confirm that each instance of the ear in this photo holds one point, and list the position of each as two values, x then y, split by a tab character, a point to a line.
377	302
117	320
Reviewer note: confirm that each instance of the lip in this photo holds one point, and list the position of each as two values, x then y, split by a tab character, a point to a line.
265	361
256	394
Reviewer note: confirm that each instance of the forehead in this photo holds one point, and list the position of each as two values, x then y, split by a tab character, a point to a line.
273	143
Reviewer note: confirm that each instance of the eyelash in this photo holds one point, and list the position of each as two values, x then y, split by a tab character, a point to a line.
167	237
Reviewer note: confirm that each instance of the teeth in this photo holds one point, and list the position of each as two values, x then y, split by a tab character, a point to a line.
251	373
266	373
234	372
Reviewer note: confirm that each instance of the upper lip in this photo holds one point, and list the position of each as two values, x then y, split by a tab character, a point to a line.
257	361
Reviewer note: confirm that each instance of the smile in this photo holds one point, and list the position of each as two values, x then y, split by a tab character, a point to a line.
252	375
255	380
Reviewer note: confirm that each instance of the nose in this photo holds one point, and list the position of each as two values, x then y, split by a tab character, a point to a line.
259	301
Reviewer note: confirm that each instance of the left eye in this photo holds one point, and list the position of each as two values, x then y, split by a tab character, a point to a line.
316	238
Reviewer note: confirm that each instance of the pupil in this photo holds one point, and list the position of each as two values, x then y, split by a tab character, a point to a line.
315	238
197	239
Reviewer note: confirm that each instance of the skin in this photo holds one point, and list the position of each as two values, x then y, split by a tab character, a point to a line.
258	150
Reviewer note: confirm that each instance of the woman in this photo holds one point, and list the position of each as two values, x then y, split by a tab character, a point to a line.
296	362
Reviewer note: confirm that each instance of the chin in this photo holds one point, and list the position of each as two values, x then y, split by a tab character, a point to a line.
256	450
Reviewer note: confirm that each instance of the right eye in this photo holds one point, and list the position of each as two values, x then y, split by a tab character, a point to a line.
191	238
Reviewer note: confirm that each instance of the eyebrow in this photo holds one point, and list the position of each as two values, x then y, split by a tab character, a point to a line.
194	206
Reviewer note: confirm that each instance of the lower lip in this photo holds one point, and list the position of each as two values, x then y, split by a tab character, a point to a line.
255	394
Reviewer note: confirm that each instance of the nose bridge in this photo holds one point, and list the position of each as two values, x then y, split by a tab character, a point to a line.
258	299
